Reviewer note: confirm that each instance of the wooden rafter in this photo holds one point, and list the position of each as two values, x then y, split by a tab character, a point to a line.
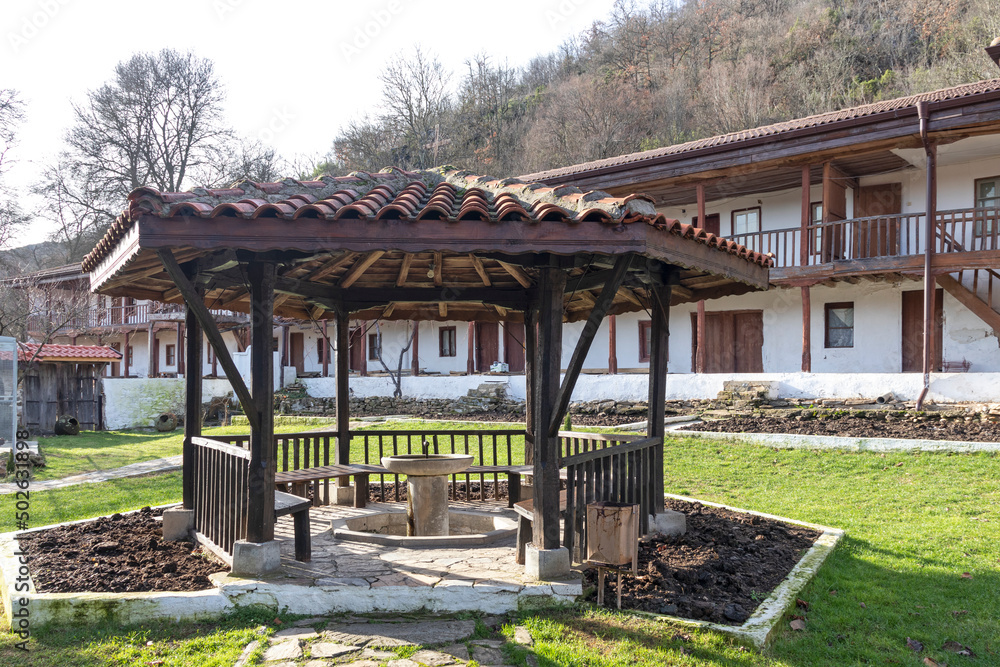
517	273
404	269
331	266
359	268
481	270
442	309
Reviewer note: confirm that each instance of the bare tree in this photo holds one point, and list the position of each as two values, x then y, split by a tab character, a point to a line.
156	121
242	160
397	375
415	104
77	209
368	145
11	116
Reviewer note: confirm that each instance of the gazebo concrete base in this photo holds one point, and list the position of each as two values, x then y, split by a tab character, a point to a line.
177	524
255	559
546	564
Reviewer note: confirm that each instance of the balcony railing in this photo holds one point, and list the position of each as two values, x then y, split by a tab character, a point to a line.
114	317
959	230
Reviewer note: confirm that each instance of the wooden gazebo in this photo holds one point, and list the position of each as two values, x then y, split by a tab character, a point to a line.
430	245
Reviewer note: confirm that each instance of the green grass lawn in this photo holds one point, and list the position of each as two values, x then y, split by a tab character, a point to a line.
919	561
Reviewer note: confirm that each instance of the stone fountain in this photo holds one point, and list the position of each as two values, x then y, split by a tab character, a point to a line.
427	488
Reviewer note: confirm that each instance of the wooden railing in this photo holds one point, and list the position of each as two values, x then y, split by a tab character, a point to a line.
296	451
221	492
110	317
959	230
625	473
574	442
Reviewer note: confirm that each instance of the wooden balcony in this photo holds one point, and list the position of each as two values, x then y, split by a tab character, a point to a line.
965	238
110	319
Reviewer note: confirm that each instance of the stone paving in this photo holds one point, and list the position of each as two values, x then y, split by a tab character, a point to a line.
387	642
155	466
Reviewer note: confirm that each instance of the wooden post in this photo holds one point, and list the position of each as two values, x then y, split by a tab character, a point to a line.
545	529
343	387
192	403
363	342
806	331
700	352
125	356
326	351
612	345
530	368
414	350
470	363
659	337
260	515
284	346
151	339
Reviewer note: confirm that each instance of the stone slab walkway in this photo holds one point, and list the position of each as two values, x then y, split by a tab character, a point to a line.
318	641
134	470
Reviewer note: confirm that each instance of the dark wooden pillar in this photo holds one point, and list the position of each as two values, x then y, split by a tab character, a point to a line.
192	402
125	356
659	337
470	364
806	331
415	350
807	235
343	388
326	351
151	339
530	368
551	286
285	359
612	345
260	518
700	352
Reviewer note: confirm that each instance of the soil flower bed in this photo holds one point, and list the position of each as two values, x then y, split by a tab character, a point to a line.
117	554
720	570
857	426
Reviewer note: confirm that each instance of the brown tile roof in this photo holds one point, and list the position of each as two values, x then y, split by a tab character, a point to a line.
50	352
773	131
443	193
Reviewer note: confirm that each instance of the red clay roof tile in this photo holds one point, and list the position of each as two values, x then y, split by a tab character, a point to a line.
50	352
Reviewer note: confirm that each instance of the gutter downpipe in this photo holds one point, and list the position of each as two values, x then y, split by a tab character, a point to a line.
929	240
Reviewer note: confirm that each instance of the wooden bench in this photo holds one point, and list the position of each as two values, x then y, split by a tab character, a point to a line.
300	479
298	507
525	516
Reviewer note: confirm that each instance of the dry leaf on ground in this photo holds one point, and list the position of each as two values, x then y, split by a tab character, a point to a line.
914	645
797	624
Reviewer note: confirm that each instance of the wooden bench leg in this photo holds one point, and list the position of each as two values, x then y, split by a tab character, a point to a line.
513	488
360	489
303	540
523	537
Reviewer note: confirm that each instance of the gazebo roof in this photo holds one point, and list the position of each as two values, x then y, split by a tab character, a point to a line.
404	242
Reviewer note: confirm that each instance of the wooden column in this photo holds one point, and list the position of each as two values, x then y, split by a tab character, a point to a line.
180	348
806	331
151	349
530	368
551	286
804	261
700	352
260	515
326	351
659	337
470	363
284	346
343	387
125	356
192	402
415	350
612	345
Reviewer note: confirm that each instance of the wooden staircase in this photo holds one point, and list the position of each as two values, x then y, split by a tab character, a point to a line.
979	292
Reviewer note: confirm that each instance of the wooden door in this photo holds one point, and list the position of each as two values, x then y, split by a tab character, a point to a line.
879	237
487	345
297	347
513	346
357	350
734	341
913	331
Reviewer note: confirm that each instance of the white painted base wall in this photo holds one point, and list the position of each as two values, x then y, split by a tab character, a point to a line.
945	387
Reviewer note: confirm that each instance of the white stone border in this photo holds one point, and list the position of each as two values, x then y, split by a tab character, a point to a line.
760	628
504	527
845	443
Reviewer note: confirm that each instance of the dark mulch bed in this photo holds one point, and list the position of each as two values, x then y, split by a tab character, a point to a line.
867	427
461	491
500	416
720	570
116	554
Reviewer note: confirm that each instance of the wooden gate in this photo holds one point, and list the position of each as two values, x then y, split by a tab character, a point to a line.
55	389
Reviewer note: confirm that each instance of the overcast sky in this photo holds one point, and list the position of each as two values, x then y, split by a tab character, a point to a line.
294	70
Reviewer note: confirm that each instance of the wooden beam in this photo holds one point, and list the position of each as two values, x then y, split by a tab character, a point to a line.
263	450
404	269
192	403
193	301
659	339
586	339
971	301
481	270
329	267
442	309
438	270
517	273
545	528
359	268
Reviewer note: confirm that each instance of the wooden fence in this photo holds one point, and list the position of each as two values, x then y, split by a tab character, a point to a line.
221	492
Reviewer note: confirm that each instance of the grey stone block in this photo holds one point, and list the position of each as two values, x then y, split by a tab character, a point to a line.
546	564
177	524
253	559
